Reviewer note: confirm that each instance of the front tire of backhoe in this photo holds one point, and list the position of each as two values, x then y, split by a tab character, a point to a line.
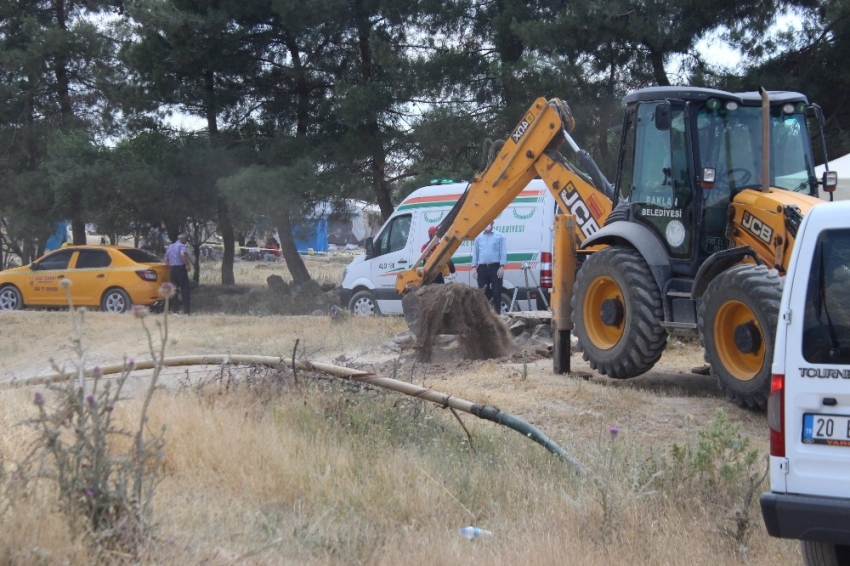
617	313
737	320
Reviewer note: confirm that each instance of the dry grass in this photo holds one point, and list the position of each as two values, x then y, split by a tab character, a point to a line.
321	473
324	475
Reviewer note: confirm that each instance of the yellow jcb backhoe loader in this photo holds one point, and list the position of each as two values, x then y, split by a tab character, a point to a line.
693	241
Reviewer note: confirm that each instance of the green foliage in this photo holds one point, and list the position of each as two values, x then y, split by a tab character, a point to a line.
721	457
724	464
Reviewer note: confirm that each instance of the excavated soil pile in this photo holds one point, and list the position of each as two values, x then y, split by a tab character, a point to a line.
465	311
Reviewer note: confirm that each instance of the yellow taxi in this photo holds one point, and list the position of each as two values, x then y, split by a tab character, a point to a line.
112	278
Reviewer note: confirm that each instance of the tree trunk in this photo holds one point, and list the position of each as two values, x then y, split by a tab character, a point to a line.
287	248
63	92
380	186
656	57
228	239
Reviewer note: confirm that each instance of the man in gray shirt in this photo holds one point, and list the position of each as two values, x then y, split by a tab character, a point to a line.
489	257
177	256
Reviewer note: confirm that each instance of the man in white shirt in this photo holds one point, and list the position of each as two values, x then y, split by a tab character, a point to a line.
489	257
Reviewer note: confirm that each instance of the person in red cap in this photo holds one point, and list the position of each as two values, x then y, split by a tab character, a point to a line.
432	231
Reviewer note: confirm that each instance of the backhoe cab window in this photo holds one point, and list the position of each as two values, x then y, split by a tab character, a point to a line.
826	322
730	142
394	236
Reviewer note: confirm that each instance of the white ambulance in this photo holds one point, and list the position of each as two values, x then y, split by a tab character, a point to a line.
368	283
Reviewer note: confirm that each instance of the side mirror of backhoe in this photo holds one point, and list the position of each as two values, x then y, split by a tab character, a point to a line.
663	116
709	176
830	181
369	244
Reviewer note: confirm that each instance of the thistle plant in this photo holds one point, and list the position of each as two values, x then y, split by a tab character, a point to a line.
105	475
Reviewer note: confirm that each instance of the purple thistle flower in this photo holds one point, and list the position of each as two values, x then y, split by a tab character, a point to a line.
614	430
39	398
109	408
131	363
97	372
89	492
90	400
140	311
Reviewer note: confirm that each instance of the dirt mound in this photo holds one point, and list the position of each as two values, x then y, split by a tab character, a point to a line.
465	311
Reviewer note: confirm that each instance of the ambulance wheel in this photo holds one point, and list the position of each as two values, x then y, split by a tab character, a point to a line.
363	303
506	303
737	321
617	313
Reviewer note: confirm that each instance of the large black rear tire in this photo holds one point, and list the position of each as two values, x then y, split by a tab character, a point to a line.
617	313
737	320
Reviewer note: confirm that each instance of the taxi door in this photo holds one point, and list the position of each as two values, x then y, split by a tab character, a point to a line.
43	284
90	276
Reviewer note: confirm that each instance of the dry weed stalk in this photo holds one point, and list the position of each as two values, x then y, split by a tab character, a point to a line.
104	490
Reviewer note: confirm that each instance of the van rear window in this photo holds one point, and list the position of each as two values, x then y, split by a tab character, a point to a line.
826	334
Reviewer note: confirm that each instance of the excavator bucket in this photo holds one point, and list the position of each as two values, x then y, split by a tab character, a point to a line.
410	304
460	310
439	304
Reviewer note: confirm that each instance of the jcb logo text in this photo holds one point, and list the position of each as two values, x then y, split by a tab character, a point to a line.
579	209
520	131
757	227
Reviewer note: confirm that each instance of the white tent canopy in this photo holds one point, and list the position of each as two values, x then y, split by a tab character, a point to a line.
842	165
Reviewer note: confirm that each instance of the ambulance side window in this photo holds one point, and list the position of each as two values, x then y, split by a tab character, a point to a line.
394	236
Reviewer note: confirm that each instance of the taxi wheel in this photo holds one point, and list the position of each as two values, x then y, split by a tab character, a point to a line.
10	299
116	300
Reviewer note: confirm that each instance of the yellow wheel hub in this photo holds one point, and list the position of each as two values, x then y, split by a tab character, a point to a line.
743	359
604	331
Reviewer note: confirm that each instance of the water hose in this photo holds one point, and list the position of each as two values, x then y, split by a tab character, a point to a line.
485	412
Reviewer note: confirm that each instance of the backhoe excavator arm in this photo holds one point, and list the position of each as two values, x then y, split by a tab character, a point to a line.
530	151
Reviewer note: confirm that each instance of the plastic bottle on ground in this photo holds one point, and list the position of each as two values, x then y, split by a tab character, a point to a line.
474	532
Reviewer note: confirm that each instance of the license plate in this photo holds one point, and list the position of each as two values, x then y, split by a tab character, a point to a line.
832	430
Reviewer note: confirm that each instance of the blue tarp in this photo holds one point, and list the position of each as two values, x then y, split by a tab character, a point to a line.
55	241
312	233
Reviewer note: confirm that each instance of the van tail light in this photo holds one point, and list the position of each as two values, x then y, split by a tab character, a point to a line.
147	275
546	270
776	415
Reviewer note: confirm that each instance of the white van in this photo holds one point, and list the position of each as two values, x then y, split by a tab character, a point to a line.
368	283
809	404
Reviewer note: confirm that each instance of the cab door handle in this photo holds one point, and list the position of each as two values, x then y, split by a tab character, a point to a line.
402	261
101	276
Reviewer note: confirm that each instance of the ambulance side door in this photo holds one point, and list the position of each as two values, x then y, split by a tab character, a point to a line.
391	254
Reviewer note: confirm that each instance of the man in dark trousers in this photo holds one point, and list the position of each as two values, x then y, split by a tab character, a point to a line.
489	257
177	256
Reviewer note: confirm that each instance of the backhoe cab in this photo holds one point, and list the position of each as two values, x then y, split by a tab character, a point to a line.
694	241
